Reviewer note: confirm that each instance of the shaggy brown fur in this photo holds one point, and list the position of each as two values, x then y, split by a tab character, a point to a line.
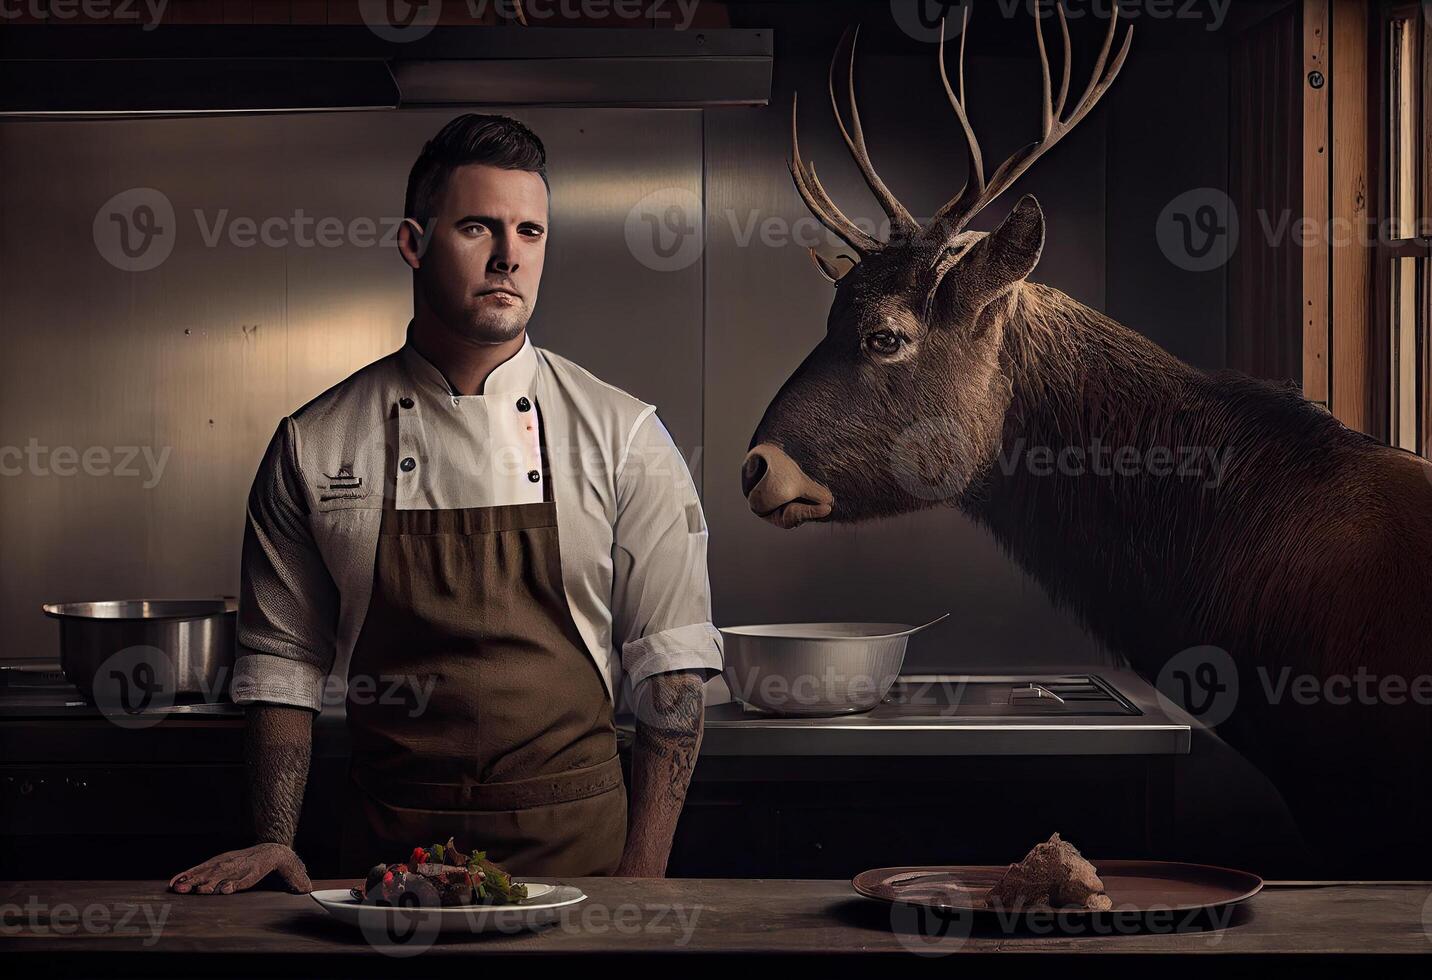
1312	553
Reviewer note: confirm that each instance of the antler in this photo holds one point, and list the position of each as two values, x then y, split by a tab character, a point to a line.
819	202
979	191
900	219
815	196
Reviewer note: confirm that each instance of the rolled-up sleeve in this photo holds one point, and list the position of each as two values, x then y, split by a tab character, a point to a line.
661	592
288	602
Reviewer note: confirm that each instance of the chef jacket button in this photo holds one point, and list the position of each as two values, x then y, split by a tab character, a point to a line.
523	404
408	464
405	402
534	476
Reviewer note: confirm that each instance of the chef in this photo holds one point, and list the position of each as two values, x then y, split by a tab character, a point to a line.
491	546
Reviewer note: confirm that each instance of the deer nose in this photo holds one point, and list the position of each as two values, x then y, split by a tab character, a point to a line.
779	491
752	471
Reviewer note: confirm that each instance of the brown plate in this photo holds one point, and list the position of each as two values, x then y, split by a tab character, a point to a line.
1135	887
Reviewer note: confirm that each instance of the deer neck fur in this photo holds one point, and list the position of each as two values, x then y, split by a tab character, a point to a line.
1147	495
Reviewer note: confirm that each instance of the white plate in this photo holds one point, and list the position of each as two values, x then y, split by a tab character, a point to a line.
542	906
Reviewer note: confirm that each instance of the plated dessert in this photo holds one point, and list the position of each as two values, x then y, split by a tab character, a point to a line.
1053	875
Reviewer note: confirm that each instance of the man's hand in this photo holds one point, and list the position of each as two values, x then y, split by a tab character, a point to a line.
236	871
277	743
669	714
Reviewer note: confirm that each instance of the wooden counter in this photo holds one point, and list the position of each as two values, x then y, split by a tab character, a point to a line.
109	928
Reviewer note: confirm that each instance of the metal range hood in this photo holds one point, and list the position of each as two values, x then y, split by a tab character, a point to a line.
182	69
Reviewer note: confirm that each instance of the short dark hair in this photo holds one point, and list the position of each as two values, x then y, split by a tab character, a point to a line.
498	141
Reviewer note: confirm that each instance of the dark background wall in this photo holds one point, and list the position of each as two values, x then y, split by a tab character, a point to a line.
205	353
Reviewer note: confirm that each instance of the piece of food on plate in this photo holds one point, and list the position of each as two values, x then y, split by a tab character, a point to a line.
1052	875
440	875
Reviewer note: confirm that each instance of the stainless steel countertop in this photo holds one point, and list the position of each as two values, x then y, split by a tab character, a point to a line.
1155	727
1158	728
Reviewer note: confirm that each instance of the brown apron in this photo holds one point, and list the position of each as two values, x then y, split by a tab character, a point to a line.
514	751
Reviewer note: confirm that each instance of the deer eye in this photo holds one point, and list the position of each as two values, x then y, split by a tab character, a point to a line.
884	342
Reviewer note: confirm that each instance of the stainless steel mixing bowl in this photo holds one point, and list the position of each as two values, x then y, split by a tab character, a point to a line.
815	669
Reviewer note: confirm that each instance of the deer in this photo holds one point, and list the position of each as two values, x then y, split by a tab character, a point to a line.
947	378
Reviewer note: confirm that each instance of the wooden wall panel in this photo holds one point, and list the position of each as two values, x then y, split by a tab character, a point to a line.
1351	251
1317	162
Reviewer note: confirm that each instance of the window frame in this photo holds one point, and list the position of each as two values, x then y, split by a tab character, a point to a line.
1414	243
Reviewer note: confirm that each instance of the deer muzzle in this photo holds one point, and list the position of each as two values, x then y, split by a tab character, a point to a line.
779	491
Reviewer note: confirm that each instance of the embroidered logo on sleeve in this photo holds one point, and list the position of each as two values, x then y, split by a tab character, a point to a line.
342	485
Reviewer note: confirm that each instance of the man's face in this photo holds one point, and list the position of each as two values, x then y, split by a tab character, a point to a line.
483	263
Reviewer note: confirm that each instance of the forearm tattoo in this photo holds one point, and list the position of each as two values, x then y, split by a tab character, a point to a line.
278	741
668	737
669	717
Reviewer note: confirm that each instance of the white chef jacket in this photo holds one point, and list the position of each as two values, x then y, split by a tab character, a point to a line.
632	534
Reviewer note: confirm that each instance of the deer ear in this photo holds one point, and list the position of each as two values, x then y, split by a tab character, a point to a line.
828	269
1013	248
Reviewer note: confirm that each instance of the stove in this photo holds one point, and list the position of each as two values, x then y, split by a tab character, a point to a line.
1111	712
39	689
